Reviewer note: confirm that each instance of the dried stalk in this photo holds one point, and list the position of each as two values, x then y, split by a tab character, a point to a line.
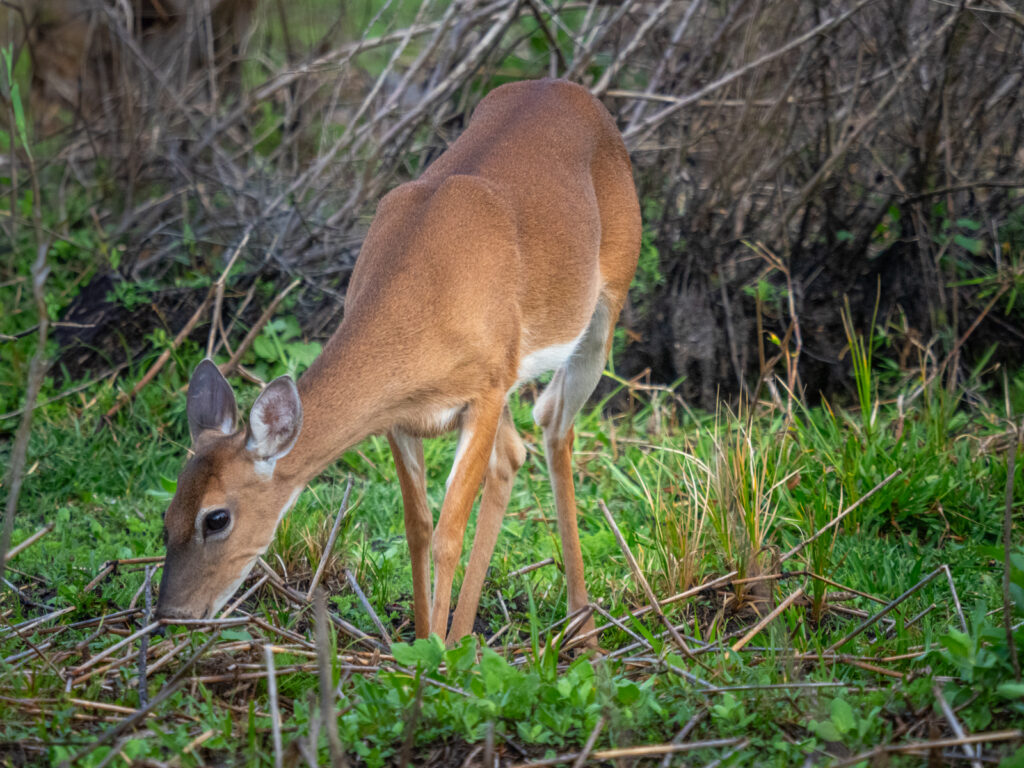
329	546
588	746
147	587
106	652
130	722
756	629
947	712
350	577
328	716
28	542
532	567
275	712
922	747
885	611
218	288
686	730
643	610
229	367
833	523
157	366
638	575
625	752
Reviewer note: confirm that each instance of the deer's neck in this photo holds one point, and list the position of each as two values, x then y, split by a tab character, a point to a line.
342	403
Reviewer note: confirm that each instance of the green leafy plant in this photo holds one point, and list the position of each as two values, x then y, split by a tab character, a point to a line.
280	349
132	294
845	724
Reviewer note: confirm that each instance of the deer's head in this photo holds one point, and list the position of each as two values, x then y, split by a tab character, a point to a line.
228	500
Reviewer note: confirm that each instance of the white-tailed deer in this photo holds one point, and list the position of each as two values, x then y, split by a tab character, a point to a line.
509	257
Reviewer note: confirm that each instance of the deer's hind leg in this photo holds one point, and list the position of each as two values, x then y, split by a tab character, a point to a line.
555	411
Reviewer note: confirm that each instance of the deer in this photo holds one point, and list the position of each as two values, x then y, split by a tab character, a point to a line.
510	256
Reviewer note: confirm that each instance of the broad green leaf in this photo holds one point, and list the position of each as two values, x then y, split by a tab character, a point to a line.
825	730
842	715
264	348
1011	690
426	653
972	244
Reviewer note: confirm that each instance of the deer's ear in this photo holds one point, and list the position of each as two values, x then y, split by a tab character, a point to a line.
275	420
211	402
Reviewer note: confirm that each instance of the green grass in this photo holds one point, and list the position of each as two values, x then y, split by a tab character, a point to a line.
696	496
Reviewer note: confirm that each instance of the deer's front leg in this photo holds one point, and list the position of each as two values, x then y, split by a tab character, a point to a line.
479	425
408	453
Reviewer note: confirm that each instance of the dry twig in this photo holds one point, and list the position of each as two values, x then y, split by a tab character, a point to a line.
275	712
329	545
638	575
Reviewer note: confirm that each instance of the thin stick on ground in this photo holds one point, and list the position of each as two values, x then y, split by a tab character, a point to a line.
300	600
338	518
591	741
328	718
721	760
641	640
218	287
350	577
244	596
275	712
925	746
106	652
956	598
144	642
845	588
489	746
109	374
23	545
950	716
130	722
157	366
229	367
15	629
33	648
881	614
643	610
531	567
111	565
738	645
574	625
687	729
653	750
840	516
565	621
638	575
167	657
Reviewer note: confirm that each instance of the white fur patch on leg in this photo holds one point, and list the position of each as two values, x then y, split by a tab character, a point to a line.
575	381
460	453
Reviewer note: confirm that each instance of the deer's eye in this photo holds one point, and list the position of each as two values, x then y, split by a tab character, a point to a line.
216	521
